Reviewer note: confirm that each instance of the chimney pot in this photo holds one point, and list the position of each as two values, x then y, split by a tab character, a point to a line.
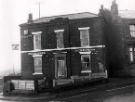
30	18
102	7
114	8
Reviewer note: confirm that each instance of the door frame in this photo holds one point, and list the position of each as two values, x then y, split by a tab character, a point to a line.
56	69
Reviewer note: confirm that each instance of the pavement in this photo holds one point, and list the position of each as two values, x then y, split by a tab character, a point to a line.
112	83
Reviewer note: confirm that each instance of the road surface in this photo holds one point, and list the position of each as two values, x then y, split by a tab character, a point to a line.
99	93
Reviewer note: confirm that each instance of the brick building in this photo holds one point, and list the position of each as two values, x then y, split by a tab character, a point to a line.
76	48
63	48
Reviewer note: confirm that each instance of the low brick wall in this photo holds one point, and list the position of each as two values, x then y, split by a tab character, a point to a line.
16	84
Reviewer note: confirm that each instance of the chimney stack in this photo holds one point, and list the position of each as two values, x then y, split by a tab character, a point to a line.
30	18
114	8
101	10
102	7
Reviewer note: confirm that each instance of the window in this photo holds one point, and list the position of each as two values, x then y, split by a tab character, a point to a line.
25	31
59	37
37	40
37	64
132	30
132	54
86	65
84	36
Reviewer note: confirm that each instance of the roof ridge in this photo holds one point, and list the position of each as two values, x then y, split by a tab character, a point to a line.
65	15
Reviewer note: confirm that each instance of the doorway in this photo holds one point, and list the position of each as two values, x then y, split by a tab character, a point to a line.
60	66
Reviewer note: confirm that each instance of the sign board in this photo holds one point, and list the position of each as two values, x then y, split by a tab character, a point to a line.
99	75
84	50
16	83
36	53
23	84
30	85
15	46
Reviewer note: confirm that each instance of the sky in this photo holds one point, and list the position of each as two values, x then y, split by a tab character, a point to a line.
15	12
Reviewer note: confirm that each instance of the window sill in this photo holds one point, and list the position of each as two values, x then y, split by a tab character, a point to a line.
37	73
37	49
86	71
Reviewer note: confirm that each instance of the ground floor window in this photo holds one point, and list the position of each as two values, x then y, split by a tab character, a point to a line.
38	64
132	54
97	61
93	62
86	65
60	66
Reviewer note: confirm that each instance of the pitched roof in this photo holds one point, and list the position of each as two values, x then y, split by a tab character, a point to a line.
128	14
69	16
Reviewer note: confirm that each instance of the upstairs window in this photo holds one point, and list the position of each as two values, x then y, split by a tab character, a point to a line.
37	40
132	30
84	36
59	37
132	54
25	31
37	64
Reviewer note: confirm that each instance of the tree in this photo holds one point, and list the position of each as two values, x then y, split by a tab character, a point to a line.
113	37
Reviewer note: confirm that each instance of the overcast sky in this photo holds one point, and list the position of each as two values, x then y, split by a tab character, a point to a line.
15	12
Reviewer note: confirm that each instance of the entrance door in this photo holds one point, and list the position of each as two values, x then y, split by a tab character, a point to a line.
60	64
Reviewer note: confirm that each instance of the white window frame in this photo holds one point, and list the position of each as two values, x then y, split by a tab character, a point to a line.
25	31
84	29
37	56
131	54
57	32
34	41
89	56
132	30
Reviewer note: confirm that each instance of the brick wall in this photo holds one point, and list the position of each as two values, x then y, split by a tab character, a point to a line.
27	65
48	40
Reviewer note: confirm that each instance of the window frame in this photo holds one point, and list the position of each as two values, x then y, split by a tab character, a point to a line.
132	31
131	50
56	65
38	33
25	32
88	38
59	31
37	56
88	70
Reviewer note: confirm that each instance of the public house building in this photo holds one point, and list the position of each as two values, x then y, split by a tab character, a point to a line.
75	49
60	50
